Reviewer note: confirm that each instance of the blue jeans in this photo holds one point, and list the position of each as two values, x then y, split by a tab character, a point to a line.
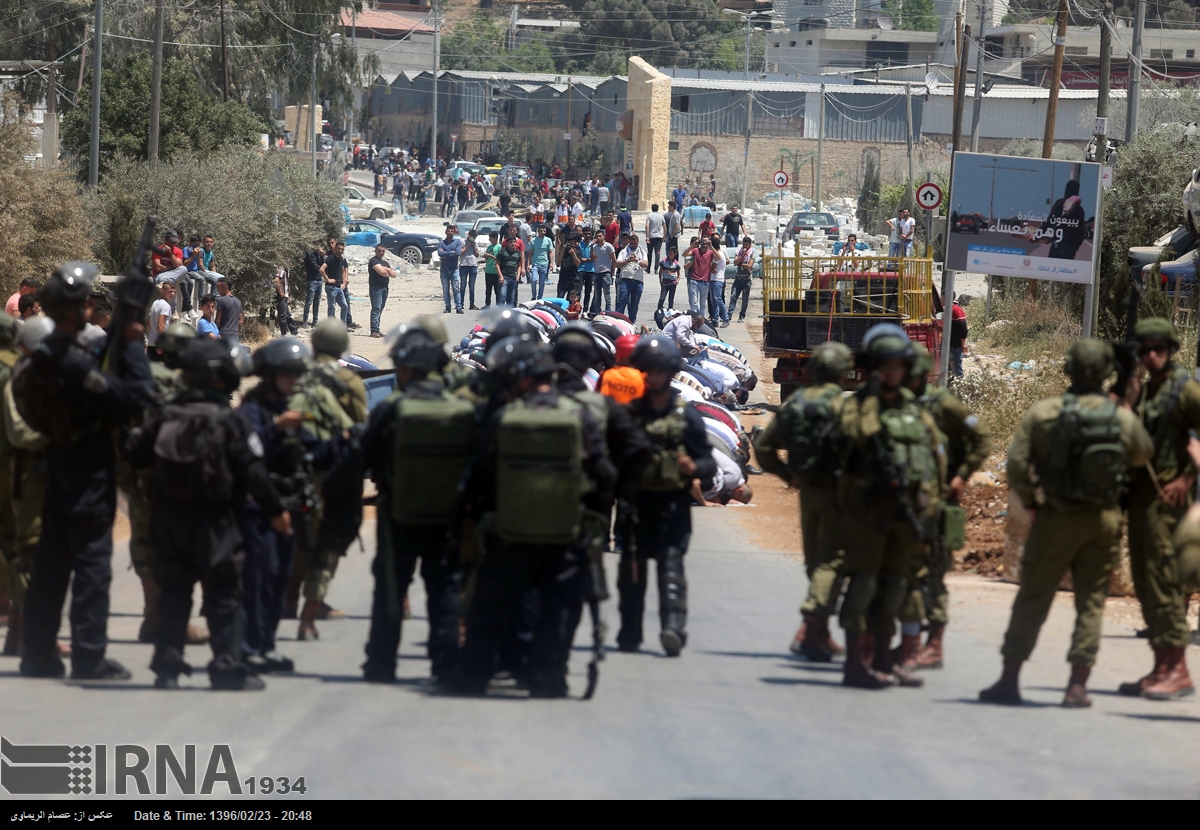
698	296
336	297
603	283
629	294
312	298
378	301
512	290
538	274
716	296
421	204
449	280
894	248
956	369
466	279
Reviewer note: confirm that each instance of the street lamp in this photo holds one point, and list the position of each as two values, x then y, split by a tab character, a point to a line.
751	18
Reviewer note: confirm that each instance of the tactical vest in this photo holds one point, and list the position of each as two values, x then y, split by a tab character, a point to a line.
596	405
1086	462
911	443
329	373
434	439
1158	416
191	462
323	413
663	475
41	394
811	433
539	473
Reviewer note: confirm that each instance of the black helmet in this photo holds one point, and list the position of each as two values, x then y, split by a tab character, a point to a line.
411	345
176	338
243	361
520	357
509	323
207	363
656	351
285	356
575	345
68	288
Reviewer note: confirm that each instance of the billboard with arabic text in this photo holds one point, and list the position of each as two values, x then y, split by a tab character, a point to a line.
1022	217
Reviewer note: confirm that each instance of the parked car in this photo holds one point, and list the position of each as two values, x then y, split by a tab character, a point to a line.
468	218
361	207
817	222
414	248
1181	270
1180	240
482	228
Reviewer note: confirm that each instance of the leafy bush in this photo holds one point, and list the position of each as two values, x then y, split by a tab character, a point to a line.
262	209
42	219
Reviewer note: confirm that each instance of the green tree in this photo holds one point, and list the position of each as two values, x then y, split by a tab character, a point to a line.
913	15
730	54
869	196
189	121
43	30
663	32
479	44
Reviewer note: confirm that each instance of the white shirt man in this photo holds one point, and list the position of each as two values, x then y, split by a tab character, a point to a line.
160	313
577	209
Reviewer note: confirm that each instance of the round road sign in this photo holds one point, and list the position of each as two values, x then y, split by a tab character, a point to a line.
781	178
929	196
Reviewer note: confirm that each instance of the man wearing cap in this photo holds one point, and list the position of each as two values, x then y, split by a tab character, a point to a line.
449	249
1168	405
167	259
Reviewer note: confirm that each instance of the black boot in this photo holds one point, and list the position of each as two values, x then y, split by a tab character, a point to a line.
672	601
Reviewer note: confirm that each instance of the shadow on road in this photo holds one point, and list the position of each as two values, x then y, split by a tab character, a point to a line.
797	681
1165	718
1025	704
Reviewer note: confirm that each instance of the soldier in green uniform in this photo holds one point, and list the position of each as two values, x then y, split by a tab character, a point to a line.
891	489
807	427
333	397
9	355
167	384
1069	463
968	444
1168	404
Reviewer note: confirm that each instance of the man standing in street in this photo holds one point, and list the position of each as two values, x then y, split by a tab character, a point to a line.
283	290
333	273
743	277
732	225
379	276
631	265
603	255
679	197
1068	464
449	250
1168	405
673	227
702	263
511	264
160	316
541	259
901	238
314	258
656	230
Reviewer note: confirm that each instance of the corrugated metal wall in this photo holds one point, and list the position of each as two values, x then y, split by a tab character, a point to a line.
1013	117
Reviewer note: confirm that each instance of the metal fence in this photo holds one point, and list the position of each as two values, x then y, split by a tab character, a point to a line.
849	286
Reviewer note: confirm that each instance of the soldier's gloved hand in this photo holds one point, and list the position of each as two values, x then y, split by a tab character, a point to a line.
282	523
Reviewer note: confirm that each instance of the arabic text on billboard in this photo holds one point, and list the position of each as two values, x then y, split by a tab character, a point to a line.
1023	217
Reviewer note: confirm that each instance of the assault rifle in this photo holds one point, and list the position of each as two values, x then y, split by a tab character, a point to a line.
135	292
1126	351
298	492
895	480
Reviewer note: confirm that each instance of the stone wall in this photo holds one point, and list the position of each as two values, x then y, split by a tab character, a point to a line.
649	96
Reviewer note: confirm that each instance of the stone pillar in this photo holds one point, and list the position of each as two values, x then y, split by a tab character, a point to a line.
649	96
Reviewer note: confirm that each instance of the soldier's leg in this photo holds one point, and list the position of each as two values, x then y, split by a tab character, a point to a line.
902	560
92	566
1162	589
631	589
813	503
673	534
176	573
44	599
8	535
29	492
141	554
1091	572
560	581
1142	497
443	584
501	577
221	580
275	587
865	541
254	573
392	570
296	581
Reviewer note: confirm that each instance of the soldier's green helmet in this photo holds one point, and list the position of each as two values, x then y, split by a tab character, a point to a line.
830	362
176	338
878	350
1156	328
1089	361
433	326
922	360
331	337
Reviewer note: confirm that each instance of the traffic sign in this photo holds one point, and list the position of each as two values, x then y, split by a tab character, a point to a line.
929	196
781	178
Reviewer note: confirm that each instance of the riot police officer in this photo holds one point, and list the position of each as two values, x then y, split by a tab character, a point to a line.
681	453
537	457
891	486
63	393
291	455
204	460
1069	463
417	444
807	426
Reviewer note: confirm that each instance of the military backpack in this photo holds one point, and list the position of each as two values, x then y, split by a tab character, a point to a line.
911	444
811	434
1087	462
191	462
539	473
434	440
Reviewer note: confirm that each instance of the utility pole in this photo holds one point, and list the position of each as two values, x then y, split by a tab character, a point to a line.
50	122
1060	44
960	86
1105	75
1133	94
97	48
908	185
156	66
975	112
224	58
83	56
312	112
437	57
958	68
746	151
749	35
820	144
570	88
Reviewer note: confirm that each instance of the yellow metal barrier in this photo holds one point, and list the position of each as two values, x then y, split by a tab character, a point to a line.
853	286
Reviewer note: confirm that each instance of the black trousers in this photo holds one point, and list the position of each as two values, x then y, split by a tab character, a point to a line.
283	316
654	247
77	520
265	577
508	569
568	281
587	278
198	543
667	294
663	532
397	550
741	287
491	285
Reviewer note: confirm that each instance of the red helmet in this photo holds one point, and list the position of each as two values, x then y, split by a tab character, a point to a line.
625	346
